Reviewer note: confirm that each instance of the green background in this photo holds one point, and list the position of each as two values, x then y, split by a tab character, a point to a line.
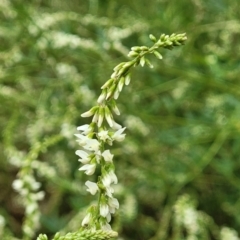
182	116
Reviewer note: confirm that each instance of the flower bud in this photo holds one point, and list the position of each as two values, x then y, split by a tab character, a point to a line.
144	48
108	116
136	49
120	84
153	38
127	79
90	112
102	96
157	54
107	84
142	61
132	54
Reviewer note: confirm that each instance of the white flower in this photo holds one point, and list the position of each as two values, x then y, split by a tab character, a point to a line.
86	219
88	168
106	227
29	180
90	112
17	184
108	217
113	204
92	187
103	135
113	177
92	145
86	129
88	143
81	139
118	136
109	178
84	156
107	156
109	191
115	125
38	196
104	210
106	181
31	207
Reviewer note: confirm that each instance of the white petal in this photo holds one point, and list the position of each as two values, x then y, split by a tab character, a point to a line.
106	227
100	120
113	177
102	96
104	210
17	184
108	116
109	191
90	112
92	187
86	219
115	125
113	204
81	139
103	135
109	217
107	156
92	145
81	154
118	136
86	129
107	181
88	168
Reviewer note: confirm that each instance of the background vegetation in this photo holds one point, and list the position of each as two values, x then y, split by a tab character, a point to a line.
179	165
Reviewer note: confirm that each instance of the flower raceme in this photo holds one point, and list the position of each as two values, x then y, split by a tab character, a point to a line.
103	131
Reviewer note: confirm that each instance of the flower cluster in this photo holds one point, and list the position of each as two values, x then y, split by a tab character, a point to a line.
28	188
103	131
92	155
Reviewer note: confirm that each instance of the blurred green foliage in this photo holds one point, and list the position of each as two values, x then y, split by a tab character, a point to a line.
182	117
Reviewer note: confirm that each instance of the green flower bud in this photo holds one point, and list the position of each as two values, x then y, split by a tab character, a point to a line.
157	54
149	63
144	48
108	83
127	79
153	38
136	49
162	37
142	61
110	91
121	83
119	66
42	237
132	54
116	94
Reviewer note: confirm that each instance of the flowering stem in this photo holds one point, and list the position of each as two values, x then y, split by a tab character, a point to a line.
103	131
